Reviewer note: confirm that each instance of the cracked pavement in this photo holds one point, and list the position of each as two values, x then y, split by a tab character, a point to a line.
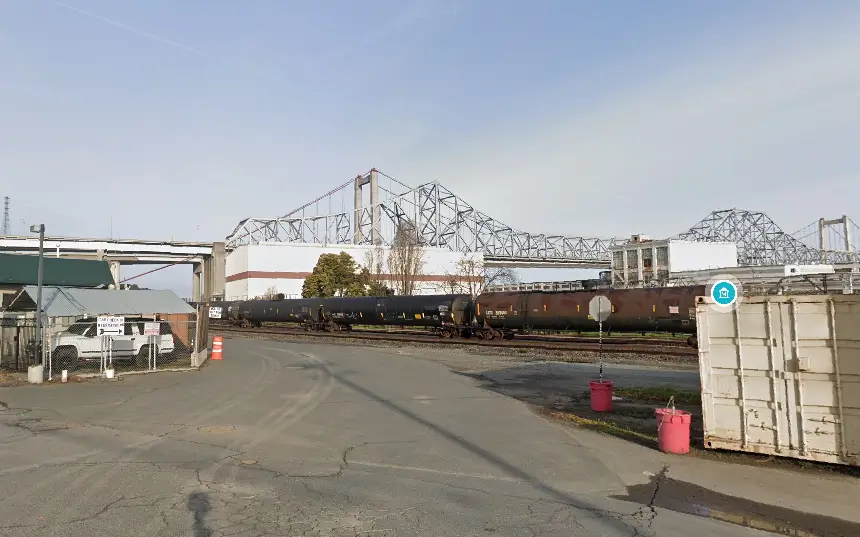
306	440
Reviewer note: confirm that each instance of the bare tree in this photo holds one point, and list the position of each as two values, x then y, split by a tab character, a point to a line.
270	293
452	284
374	262
405	259
472	276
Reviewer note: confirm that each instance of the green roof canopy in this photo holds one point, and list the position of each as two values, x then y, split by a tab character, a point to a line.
24	270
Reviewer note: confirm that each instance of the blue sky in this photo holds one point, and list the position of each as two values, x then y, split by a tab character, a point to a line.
165	119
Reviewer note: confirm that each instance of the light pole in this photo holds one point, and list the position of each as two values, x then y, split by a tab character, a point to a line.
40	229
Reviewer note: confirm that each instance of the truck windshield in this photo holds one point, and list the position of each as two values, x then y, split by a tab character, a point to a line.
78	328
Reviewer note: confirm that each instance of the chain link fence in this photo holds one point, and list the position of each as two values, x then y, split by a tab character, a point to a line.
17	341
146	344
74	344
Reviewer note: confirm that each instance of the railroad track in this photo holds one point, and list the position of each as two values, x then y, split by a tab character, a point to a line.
610	345
663	341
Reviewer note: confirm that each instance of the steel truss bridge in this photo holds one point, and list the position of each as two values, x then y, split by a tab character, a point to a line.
444	220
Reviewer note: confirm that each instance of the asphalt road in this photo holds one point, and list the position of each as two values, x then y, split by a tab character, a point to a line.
297	439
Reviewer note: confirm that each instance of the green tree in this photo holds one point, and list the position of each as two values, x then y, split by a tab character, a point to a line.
336	275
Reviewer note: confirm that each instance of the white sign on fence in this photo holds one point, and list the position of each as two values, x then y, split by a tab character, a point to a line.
151	329
214	312
109	325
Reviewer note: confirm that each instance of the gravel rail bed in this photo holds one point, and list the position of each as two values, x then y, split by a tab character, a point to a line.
484	354
551	346
608	338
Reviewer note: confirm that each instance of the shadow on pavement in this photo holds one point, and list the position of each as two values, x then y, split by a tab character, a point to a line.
506	467
199	505
567	397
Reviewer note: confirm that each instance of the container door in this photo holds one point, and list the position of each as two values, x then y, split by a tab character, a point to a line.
770	379
742	369
813	415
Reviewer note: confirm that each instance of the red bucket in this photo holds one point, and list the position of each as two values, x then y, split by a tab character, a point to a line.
673	430
601	395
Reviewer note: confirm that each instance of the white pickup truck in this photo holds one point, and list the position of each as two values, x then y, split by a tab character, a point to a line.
80	343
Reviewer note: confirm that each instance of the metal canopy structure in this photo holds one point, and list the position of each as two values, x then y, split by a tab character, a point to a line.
71	302
761	242
441	219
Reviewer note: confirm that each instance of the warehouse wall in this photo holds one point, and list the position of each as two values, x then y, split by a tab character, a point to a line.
253	269
236	263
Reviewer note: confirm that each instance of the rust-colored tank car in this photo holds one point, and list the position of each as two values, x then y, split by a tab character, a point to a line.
669	309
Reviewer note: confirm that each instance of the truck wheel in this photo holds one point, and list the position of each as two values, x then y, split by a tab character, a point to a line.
66	358
142	358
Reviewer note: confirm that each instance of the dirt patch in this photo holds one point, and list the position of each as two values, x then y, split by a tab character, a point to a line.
633	419
561	394
10	379
71	379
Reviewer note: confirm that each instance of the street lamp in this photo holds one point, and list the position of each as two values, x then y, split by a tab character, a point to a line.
40	229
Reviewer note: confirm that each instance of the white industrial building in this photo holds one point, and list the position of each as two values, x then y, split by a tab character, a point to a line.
645	262
254	270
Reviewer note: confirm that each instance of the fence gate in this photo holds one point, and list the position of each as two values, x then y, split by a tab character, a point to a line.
200	344
17	342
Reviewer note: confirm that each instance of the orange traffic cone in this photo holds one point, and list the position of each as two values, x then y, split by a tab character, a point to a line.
217	343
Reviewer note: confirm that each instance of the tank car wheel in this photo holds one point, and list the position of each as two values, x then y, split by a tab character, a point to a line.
693	342
446	333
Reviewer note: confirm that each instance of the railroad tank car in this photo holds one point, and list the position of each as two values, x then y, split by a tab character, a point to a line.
393	310
663	309
257	311
446	312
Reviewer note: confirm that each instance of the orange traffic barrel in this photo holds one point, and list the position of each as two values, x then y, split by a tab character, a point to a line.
217	348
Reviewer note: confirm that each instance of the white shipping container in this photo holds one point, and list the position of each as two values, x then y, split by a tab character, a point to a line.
781	376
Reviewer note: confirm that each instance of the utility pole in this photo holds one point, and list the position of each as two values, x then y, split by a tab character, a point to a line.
5	229
40	229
